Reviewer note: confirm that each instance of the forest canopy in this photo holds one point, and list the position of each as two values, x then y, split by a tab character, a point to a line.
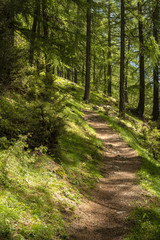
110	46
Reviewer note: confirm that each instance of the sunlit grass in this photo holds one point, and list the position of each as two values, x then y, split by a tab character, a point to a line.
80	149
33	196
37	190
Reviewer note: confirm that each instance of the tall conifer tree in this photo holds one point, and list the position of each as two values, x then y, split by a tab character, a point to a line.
141	104
122	62
156	70
88	53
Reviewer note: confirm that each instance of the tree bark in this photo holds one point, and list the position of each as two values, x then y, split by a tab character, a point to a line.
68	74
122	63
38	33
45	30
12	22
155	112
53	69
33	35
83	74
58	71
94	71
76	43
105	73
105	79
75	75
109	52
141	104
126	76
88	53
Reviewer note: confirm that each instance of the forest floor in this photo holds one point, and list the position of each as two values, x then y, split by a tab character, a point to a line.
104	217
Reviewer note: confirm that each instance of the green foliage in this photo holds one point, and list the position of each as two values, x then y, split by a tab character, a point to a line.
11	57
28	201
39	111
147	223
153	50
152	136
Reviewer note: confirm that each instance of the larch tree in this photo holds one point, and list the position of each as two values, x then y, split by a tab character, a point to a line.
126	72
34	31
122	63
88	53
155	113
109	72
141	104
45	29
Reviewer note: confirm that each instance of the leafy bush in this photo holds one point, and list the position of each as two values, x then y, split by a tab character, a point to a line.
152	137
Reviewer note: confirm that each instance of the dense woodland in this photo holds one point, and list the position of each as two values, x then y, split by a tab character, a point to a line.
106	48
109	46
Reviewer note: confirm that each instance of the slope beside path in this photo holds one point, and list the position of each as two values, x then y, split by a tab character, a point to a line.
104	217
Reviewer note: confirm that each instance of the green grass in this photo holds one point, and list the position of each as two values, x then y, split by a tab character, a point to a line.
80	149
32	195
39	189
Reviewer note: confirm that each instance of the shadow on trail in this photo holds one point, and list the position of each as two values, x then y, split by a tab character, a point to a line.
104	218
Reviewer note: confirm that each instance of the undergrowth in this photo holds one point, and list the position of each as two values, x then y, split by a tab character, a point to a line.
49	158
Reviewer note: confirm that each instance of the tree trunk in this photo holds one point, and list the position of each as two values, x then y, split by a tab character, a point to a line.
61	71
76	43
141	104
33	35
53	69
45	30
58	71
88	53
9	29
94	71
155	112
12	22
83	74
126	77
105	79
38	34
75	75
68	74
72	73
105	73
109	52
122	63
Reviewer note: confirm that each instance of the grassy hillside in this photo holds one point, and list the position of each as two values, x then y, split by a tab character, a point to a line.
40	186
50	158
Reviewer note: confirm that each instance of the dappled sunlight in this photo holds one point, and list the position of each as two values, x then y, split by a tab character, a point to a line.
117	192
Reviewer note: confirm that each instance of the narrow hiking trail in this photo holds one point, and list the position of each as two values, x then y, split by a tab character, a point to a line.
104	217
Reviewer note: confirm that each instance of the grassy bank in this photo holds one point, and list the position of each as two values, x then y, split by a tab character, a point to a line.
39	188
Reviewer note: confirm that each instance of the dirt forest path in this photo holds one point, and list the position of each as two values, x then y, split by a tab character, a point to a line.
104	217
